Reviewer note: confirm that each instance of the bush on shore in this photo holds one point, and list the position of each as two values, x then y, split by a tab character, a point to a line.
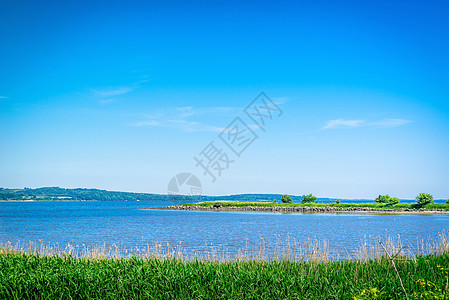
386	199
424	199
309	199
286	199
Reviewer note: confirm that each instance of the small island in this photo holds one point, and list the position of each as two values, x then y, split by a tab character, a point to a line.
309	204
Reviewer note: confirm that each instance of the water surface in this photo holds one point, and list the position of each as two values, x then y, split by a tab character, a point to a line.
127	225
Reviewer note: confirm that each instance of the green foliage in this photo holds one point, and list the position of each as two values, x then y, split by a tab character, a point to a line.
447	202
432	290
53	277
286	199
338	201
386	199
9	196
369	294
309	199
393	201
424	198
274	201
377	206
433	206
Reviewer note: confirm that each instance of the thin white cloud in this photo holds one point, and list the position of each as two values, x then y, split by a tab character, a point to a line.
191	126
148	123
107	101
174	121
280	100
384	123
188	111
221	109
342	123
143	81
111	92
3	97
185	111
187	126
182	118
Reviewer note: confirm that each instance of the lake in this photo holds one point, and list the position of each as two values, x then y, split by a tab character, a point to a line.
126	224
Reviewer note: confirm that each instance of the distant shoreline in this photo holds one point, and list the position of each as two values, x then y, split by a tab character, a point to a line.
300	209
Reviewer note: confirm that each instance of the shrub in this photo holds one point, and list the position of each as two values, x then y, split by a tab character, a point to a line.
309	199
447	202
424	198
286	199
338	201
432	290
386	199
369	293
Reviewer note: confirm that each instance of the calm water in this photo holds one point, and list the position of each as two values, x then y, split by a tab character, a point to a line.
126	224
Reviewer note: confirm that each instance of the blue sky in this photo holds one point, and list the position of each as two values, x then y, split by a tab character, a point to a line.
123	95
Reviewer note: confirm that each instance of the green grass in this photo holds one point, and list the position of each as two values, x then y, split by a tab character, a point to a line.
25	276
379	206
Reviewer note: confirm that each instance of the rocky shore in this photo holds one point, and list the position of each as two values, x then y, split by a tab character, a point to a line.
302	209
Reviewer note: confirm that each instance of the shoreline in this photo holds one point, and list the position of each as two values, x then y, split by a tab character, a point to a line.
300	209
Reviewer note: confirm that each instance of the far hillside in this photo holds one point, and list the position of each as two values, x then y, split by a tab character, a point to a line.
63	194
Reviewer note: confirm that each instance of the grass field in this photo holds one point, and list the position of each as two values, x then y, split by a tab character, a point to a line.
49	273
24	276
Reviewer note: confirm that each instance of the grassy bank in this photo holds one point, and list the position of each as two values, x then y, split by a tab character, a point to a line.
25	276
377	206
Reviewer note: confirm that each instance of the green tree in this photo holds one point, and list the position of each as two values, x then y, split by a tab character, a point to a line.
447	202
386	199
338	201
393	201
309	199
286	199
424	198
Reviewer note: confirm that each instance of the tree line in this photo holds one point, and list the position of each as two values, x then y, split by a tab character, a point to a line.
421	199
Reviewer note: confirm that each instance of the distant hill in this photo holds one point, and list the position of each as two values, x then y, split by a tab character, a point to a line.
57	193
